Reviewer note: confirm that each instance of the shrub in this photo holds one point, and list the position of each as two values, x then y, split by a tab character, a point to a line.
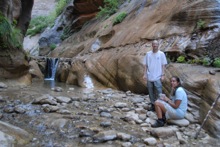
9	36
119	18
110	7
195	61
216	62
60	5
181	59
38	24
200	24
206	61
52	46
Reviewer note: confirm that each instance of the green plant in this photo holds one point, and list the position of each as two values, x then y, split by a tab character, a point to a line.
53	46
206	61
194	61
200	24
38	24
216	62
181	59
60	5
110	7
9	36
119	18
66	33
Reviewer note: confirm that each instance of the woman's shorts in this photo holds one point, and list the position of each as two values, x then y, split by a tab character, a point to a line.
172	113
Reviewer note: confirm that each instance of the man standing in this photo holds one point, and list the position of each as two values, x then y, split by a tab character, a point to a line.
154	62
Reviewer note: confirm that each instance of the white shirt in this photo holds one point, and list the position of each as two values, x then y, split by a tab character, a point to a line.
154	63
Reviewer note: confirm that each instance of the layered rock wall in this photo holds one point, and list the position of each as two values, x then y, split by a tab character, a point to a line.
112	55
14	63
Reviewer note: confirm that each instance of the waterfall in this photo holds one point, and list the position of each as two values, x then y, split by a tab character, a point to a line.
88	82
51	67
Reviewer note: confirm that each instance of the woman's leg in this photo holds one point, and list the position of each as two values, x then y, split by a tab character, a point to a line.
160	109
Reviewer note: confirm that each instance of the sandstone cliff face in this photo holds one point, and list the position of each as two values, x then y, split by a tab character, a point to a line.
75	15
112	55
13	61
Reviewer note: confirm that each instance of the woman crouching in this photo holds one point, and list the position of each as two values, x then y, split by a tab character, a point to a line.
174	108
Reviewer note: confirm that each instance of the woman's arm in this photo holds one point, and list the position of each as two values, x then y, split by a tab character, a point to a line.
175	105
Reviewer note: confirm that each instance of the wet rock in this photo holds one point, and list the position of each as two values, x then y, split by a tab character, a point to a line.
145	125
126	109
164	132
140	111
132	116
106	91
9	109
104	136
71	89
180	138
86	133
180	122
20	136
6	140
19	109
146	129
104	109
45	99
105	124
63	111
190	118
128	92
152	115
17	102
87	140
120	105
75	98
149	120
63	99
49	108
106	114
59	123
150	141
76	104
137	100
3	85
126	144
142	117
57	89
1	99
212	72
123	136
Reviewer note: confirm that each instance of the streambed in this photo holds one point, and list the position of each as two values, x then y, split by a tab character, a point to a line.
61	115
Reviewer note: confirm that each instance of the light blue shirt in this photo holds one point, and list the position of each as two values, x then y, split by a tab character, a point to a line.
181	95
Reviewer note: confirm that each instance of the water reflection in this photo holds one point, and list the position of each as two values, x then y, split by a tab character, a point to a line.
50	83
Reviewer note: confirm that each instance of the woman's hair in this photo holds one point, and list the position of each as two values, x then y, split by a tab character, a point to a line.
179	84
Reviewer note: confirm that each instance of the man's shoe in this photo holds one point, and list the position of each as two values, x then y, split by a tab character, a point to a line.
157	124
152	108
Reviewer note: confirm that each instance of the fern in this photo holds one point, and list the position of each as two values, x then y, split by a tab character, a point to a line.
119	18
110	7
9	36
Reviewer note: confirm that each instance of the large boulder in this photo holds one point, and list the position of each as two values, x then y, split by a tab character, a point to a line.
14	62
